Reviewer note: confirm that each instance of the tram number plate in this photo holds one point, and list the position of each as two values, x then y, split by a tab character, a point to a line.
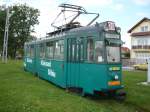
114	83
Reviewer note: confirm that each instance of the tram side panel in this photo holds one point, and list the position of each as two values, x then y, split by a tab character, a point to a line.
51	70
93	77
29	59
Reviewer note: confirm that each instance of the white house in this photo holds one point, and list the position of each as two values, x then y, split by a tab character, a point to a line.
140	39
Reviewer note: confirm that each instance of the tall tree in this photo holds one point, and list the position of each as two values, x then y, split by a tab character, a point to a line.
2	27
22	21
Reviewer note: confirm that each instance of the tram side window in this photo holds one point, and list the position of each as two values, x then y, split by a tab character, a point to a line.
42	51
62	49
32	51
50	50
82	50
59	50
90	50
99	51
28	51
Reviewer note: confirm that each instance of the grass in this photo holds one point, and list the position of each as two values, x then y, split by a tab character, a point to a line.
22	92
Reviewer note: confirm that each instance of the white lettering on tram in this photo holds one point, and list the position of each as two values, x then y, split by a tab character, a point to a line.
24	64
51	73
44	63
29	60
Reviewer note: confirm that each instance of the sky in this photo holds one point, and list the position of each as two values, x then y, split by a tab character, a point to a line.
125	13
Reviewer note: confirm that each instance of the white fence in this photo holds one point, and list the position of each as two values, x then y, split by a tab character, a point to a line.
131	62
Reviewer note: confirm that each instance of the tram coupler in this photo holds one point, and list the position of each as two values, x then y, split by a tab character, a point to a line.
120	95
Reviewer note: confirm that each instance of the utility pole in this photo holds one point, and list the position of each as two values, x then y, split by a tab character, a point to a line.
148	72
5	42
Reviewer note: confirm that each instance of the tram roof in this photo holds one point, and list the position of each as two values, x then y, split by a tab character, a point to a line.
91	28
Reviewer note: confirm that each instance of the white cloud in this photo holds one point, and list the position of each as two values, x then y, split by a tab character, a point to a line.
118	7
87	3
142	14
9	2
1	2
142	2
49	10
127	39
12	2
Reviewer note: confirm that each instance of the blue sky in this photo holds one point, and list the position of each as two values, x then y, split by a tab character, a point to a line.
125	13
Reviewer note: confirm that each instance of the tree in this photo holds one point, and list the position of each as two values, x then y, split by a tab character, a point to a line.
22	21
2	27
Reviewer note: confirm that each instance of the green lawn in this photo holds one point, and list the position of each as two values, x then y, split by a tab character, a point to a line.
22	92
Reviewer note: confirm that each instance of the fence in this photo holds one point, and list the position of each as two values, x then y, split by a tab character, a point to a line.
131	62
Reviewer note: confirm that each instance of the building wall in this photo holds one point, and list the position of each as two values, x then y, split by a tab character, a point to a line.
140	55
132	54
142	52
142	41
138	29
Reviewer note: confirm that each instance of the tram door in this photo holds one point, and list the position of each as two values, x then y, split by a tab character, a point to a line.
74	59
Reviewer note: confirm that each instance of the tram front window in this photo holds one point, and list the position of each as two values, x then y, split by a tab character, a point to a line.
95	51
113	54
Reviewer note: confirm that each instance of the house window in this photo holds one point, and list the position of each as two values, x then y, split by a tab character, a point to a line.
142	42
144	28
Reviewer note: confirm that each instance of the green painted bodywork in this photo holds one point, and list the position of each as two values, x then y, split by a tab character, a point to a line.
65	73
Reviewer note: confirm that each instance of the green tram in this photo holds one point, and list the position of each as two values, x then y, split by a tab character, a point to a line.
87	58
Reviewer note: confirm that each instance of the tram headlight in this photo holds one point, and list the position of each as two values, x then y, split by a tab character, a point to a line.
116	77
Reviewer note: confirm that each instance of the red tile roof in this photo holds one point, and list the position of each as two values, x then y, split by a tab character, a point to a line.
125	49
138	24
